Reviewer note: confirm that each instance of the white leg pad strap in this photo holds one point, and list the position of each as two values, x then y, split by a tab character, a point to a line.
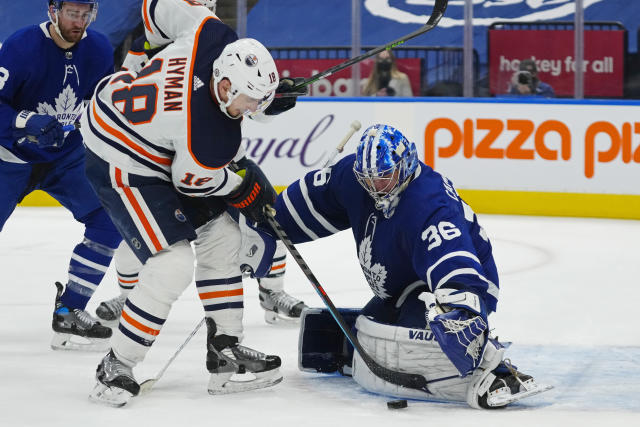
162	280
407	350
483	376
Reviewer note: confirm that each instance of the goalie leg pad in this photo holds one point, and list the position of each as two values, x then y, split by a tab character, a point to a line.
322	346
406	350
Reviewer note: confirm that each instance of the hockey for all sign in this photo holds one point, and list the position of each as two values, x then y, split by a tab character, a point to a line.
554	55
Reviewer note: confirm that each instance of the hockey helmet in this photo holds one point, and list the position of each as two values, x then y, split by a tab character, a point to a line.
57	7
384	165
248	65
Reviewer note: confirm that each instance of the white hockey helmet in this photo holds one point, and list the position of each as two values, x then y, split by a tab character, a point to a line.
248	65
209	4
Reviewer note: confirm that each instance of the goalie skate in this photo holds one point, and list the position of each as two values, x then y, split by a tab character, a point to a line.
116	384
235	368
109	311
75	329
510	387
279	306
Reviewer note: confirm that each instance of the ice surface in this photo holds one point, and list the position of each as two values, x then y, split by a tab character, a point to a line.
568	301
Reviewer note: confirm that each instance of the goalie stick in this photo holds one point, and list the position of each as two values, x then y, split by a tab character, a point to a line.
438	10
413	381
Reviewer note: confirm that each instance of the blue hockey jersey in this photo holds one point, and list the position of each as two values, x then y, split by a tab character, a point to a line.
37	75
433	236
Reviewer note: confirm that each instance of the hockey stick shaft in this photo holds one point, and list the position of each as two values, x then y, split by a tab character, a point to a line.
403	379
147	385
355	127
438	10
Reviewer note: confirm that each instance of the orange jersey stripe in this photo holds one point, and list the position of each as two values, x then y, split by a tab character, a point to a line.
278	267
136	207
133	322
147	24
221	294
127	281
121	137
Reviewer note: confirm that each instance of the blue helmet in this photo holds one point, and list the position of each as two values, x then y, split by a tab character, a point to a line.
385	162
57	6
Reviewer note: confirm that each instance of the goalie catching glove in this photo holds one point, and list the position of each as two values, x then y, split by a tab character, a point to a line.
280	104
254	193
458	321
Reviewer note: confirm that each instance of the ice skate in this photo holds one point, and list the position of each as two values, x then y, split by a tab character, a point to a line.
279	306
510	386
235	368
116	384
75	329
109	311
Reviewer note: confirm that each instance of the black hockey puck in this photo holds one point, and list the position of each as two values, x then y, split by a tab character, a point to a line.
396	404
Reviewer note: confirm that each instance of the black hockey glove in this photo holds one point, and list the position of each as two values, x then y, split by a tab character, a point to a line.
280	104
254	193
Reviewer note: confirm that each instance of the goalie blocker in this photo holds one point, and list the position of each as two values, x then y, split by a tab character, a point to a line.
323	348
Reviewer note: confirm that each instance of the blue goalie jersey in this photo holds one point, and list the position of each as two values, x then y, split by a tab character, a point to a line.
433	236
37	75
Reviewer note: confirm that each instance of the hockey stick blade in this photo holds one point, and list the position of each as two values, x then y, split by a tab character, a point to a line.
403	379
436	14
147	385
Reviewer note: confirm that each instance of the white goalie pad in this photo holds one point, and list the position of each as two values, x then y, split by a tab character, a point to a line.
407	350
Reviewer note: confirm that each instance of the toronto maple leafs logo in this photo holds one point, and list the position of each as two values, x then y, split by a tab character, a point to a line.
65	109
375	274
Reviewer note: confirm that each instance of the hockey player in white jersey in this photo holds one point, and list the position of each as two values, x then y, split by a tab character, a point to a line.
429	264
163	152
279	306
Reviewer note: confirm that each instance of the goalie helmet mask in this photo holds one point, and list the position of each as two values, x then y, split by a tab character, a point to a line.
248	65
385	164
57	10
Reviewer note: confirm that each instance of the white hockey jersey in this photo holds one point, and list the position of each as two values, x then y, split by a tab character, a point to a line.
164	121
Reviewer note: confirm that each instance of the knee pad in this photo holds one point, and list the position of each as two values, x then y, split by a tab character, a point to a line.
322	346
100	229
407	350
126	261
166	274
217	247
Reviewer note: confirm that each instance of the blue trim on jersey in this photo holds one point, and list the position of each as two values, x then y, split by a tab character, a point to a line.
224	306
124	150
142	341
107	111
152	12
144	314
217	282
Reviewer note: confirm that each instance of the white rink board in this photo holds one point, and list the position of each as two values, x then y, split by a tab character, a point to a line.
301	140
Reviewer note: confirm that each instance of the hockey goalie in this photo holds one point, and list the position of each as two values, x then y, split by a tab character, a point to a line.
428	262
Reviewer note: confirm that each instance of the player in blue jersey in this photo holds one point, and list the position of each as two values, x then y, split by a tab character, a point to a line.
164	155
46	72
429	264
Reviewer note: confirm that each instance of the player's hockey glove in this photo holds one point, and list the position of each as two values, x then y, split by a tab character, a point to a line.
458	321
280	104
41	129
254	192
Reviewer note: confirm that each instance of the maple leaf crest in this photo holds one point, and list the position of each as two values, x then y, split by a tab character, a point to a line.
376	275
65	109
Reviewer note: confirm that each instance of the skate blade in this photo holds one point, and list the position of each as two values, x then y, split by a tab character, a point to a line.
110	396
505	398
62	341
273	318
227	383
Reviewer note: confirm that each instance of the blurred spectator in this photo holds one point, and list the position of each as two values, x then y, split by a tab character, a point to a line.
526	82
385	78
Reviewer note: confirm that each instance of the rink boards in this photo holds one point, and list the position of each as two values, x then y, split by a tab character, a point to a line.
512	156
